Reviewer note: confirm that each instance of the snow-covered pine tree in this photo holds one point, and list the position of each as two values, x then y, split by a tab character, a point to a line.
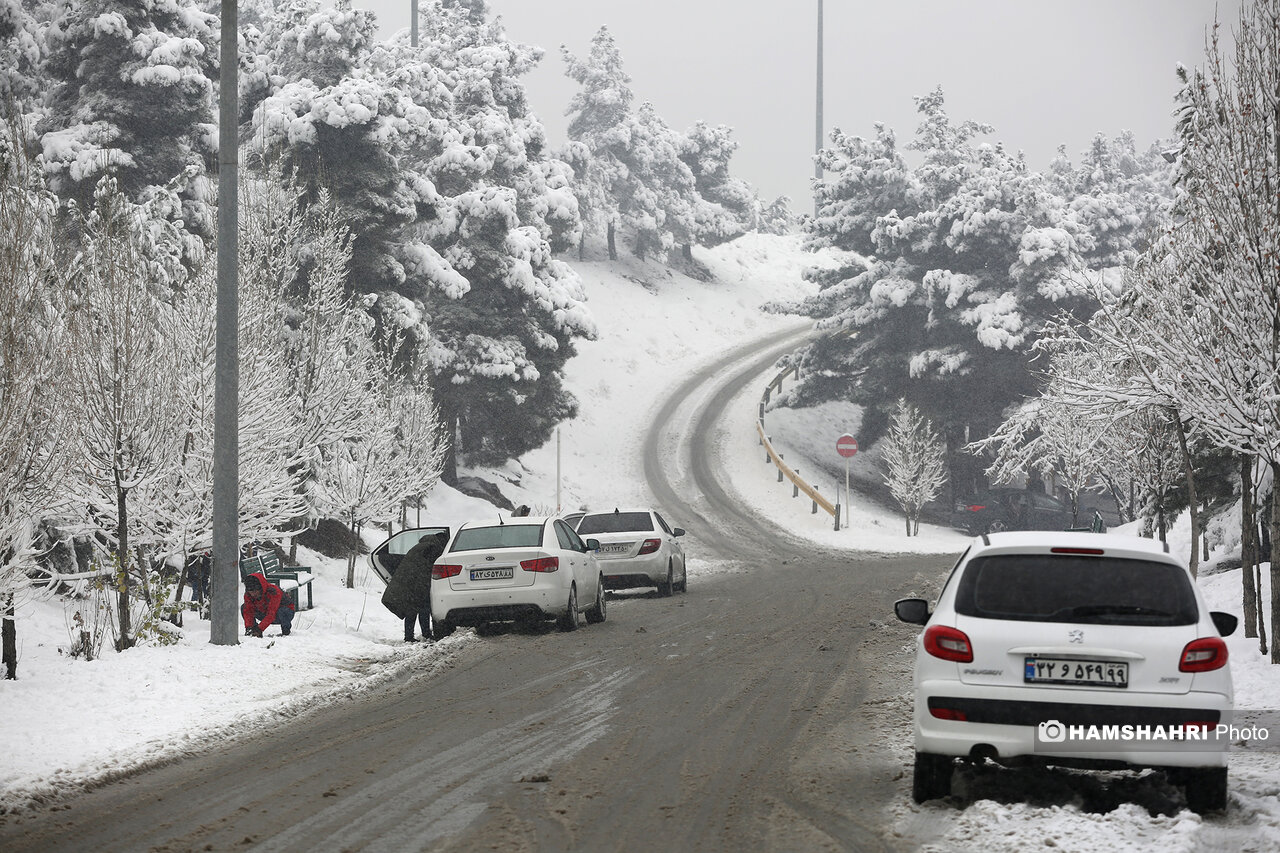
598	134
22	49
967	255
915	462
132	95
726	205
500	336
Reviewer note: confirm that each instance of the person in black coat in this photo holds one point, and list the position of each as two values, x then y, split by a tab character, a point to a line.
408	592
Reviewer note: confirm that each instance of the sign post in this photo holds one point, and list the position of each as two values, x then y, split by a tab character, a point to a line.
846	446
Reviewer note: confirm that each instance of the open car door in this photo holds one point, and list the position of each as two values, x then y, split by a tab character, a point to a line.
385	559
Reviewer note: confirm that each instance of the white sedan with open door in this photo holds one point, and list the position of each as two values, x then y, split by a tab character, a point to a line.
515	570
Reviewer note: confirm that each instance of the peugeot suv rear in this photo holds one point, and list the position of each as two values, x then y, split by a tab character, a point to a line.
1071	649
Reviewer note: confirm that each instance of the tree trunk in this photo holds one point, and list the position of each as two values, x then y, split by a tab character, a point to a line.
687	251
582	245
1204	533
449	465
1275	562
1194	561
9	638
613	243
905	518
351	558
1075	508
125	640
1248	547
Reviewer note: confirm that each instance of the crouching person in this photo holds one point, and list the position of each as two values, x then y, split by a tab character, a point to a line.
264	605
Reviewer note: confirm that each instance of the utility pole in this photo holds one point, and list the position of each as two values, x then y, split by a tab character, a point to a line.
413	23
817	145
224	624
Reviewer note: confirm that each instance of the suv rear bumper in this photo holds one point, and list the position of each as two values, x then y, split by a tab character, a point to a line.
1002	723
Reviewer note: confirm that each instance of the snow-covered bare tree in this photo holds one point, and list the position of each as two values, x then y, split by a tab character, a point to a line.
34	429
121	375
915	462
1210	295
395	454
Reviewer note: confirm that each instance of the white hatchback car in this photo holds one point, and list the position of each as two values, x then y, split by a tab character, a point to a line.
517	569
637	549
1080	650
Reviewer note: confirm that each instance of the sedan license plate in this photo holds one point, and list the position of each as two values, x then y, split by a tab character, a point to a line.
1089	673
506	573
614	549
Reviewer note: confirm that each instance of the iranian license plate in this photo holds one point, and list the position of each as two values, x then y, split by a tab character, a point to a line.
506	573
614	549
1091	673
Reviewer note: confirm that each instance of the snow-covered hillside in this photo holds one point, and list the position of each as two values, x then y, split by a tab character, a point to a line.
69	722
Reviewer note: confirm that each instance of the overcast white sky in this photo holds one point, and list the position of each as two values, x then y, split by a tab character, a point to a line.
1043	72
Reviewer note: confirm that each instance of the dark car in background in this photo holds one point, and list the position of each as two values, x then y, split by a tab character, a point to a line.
1014	509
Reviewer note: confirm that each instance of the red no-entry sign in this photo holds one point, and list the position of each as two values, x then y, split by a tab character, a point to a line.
846	445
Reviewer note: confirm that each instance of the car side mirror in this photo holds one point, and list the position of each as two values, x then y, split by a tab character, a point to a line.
593	544
1225	622
677	531
914	611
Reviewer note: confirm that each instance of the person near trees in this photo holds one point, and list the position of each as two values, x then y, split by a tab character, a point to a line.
264	606
408	592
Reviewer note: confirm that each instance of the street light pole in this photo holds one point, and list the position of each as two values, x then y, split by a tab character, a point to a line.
224	626
817	145
413	23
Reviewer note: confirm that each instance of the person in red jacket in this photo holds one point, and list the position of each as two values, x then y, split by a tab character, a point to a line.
264	605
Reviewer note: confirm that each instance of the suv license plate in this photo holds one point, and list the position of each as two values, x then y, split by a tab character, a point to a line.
614	549
493	574
1090	673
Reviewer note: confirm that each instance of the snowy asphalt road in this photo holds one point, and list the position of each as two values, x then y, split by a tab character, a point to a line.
753	712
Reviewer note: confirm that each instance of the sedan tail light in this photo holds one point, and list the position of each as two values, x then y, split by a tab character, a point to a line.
439	572
542	564
948	643
1203	655
650	545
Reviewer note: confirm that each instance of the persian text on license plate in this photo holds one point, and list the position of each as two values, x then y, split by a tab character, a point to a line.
492	574
614	549
1092	673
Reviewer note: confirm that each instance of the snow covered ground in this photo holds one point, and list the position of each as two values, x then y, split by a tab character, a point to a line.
69	723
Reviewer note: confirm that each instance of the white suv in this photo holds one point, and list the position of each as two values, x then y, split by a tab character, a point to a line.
1081	650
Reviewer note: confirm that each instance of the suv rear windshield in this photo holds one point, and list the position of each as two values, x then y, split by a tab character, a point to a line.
615	522
1076	588
500	536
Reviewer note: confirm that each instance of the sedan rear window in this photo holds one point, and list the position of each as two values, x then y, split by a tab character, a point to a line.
1075	588
499	536
614	522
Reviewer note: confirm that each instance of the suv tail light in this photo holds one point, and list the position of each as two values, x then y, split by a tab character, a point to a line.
439	572
948	643
542	564
1203	655
650	545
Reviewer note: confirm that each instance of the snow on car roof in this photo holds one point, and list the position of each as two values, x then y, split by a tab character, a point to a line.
1113	544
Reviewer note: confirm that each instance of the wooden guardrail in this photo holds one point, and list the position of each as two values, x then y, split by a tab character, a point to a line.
772	455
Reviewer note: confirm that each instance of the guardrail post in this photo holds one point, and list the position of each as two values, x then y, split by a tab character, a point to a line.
795	487
767	457
766	395
760	417
837	516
